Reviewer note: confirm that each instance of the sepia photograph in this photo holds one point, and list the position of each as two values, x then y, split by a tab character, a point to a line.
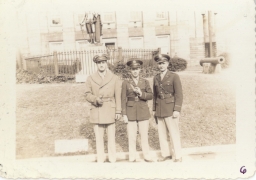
105	91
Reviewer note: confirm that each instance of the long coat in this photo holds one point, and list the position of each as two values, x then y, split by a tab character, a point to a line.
136	110
110	91
171	88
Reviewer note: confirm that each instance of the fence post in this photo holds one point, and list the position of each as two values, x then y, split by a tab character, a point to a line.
120	56
77	65
55	59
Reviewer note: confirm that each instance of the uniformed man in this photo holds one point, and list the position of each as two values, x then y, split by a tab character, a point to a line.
135	94
167	101
103	91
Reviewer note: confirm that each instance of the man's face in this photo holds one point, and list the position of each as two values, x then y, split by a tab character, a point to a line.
102	66
163	65
135	72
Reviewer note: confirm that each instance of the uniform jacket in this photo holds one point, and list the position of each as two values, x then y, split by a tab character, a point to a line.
110	90
171	85
136	110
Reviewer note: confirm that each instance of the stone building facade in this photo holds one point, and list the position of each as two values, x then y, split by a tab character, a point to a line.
175	32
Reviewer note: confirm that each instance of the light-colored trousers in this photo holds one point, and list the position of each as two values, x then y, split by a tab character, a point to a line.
99	134
132	136
169	126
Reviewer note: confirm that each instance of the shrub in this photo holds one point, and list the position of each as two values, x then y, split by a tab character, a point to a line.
121	70
227	62
177	64
63	69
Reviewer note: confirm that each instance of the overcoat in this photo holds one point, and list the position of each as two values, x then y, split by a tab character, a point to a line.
109	89
167	94
136	110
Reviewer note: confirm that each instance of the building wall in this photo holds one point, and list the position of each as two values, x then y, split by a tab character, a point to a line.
183	32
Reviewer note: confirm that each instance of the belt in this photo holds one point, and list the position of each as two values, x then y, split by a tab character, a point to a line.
164	96
105	99
133	99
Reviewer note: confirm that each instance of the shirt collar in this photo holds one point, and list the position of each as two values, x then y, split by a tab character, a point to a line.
163	73
136	79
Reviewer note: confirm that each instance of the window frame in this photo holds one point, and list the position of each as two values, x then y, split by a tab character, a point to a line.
56	42
108	22
168	39
165	16
136	20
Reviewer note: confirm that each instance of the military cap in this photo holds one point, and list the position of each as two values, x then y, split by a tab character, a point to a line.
162	58
134	63
102	57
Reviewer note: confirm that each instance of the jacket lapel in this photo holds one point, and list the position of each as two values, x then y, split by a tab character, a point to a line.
158	77
131	81
140	83
166	76
109	75
96	78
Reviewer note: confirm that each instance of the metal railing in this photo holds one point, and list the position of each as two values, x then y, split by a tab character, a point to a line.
80	62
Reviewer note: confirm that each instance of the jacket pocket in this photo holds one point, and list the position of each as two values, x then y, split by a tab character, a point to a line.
130	103
168	86
169	100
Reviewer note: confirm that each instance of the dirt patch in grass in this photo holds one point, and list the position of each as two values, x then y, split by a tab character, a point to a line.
49	112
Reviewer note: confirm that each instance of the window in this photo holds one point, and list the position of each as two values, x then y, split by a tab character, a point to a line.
55	46
55	21
82	45
108	20
135	19
161	15
108	17
163	42
135	16
136	42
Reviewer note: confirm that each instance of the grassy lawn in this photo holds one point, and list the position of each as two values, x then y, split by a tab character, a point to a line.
49	112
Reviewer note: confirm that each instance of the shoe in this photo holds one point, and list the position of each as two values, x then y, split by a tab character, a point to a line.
164	158
178	160
148	160
133	160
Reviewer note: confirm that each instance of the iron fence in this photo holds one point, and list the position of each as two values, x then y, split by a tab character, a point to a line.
80	62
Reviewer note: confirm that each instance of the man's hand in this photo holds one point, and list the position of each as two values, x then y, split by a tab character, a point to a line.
125	118
118	116
99	101
176	114
137	91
